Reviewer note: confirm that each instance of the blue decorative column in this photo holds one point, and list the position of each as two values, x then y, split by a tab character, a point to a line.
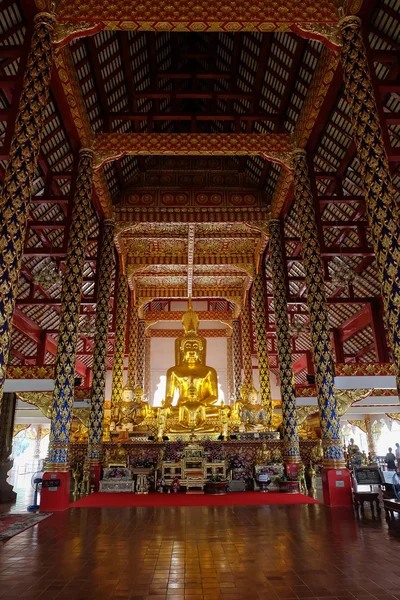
58	459
319	323
100	344
381	203
20	174
237	369
291	450
262	345
121	314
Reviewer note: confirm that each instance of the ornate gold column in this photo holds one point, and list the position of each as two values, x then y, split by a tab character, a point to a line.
100	343
237	369
132	340
382	207
147	371
229	366
288	391
140	360
262	345
69	317
20	172
370	435
319	323
119	340
246	346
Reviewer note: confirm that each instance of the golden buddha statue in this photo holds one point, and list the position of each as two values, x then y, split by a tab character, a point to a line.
252	414
263	455
196	382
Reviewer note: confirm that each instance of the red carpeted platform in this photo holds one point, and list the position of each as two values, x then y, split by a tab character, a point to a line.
101	499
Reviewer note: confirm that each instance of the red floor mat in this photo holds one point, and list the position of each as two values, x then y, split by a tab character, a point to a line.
154	499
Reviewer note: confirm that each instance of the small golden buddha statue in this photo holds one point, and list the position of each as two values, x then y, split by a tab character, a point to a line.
224	412
252	414
196	382
162	417
263	456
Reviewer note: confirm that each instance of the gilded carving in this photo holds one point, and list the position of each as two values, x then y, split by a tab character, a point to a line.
111	146
203	16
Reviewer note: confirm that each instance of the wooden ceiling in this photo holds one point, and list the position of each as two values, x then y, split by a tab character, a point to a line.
137	82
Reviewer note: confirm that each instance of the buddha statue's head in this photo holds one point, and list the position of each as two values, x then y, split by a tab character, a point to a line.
191	348
253	395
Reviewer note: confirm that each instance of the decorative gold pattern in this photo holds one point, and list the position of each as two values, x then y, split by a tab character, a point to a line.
382	208
246	347
288	391
66	31
147	370
321	32
106	269
140	357
111	146
320	330
262	346
20	173
132	340
237	369
69	317
202	16
119	340
229	367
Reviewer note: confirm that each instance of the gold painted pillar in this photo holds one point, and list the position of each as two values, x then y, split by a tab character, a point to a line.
132	340
262	345
237	368
119	340
99	365
147	371
382	207
319	323
229	366
63	395
19	175
370	435
291	449
141	349
246	346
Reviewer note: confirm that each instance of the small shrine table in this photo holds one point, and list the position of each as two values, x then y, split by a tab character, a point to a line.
372	497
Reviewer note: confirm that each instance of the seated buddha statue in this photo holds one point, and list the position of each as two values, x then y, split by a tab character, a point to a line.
252	414
195	382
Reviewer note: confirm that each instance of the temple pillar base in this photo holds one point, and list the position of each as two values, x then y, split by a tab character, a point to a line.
57	497
291	470
95	476
336	486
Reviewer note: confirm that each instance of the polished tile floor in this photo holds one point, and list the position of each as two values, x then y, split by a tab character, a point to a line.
224	553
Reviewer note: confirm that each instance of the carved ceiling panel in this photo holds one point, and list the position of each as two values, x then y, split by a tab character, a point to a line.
155	247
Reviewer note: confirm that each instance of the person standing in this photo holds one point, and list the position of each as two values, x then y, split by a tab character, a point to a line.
390	460
397	452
